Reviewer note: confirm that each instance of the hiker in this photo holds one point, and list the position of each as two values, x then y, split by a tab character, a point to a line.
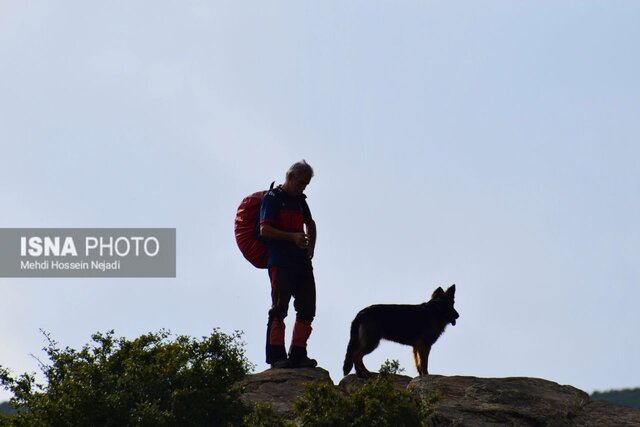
284	213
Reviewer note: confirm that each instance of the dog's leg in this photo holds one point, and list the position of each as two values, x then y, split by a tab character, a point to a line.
361	370
421	357
424	359
416	359
367	344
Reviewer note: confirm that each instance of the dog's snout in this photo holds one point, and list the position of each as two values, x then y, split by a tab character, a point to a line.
455	316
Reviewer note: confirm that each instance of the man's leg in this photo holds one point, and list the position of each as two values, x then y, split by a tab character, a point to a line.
280	297
305	305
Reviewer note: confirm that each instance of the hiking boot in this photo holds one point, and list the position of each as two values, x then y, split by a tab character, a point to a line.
303	362
282	364
299	359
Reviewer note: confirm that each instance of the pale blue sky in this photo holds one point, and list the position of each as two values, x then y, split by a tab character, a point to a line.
491	144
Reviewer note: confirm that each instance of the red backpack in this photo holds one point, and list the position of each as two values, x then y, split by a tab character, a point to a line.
247	231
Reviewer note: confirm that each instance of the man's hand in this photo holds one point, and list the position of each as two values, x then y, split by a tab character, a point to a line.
301	240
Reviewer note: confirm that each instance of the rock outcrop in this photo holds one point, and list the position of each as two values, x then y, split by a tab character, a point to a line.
461	401
470	401
280	387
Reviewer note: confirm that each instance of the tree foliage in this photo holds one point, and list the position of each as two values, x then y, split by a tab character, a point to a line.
391	367
150	380
376	404
625	397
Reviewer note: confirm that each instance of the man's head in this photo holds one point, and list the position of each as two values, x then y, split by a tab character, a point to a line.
298	177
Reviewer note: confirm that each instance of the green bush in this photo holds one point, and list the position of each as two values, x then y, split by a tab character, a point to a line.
151	380
376	403
391	367
262	415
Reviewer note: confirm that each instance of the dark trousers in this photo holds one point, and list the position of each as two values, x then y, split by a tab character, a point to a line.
286	283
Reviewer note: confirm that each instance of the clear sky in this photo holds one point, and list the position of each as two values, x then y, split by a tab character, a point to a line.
491	144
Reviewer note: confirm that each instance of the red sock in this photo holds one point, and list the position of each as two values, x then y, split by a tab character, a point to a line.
276	332
301	332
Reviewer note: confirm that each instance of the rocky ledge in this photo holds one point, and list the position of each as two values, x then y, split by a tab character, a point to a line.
280	387
471	401
462	401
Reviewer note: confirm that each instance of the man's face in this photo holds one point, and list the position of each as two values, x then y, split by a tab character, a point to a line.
295	185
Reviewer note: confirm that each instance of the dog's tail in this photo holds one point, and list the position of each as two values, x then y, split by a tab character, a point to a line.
351	347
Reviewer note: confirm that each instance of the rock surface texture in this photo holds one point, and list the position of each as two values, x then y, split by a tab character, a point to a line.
462	401
470	401
280	387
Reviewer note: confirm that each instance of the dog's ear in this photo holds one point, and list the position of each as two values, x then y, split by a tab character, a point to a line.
437	293
451	291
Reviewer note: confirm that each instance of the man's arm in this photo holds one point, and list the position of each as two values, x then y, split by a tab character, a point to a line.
268	231
312	232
